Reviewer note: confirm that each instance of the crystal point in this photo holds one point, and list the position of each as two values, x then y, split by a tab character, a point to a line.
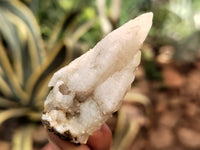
87	91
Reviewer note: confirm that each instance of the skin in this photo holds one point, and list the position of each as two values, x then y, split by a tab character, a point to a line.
100	140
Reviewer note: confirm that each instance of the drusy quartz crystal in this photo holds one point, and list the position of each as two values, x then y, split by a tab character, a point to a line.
86	92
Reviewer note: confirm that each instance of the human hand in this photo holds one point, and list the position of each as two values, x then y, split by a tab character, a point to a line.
100	140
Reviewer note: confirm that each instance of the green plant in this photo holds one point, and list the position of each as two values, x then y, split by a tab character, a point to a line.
176	23
27	62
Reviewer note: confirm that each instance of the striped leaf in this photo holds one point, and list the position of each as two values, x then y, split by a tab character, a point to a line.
22	138
21	37
12	113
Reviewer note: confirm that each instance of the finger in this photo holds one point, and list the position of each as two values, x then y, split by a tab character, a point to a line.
47	147
101	139
58	144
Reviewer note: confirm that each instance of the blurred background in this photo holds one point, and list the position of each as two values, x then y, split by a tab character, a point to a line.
161	111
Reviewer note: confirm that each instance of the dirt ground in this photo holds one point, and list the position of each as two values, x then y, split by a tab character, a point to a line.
174	112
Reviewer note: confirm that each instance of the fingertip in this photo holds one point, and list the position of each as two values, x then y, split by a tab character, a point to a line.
47	147
101	139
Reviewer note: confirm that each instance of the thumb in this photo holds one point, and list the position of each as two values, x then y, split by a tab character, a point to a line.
101	139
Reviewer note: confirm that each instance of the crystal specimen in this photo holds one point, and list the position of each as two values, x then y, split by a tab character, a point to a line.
86	92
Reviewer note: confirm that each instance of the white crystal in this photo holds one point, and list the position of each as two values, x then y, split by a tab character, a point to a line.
87	91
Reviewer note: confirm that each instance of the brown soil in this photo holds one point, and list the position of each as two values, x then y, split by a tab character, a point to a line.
174	119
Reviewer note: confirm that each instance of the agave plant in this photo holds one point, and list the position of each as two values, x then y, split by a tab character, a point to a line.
27	63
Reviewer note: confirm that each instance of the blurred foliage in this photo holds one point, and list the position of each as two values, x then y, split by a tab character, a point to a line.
49	12
130	120
176	23
38	37
27	61
131	9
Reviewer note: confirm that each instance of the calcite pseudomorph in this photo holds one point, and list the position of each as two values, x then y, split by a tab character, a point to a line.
86	92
